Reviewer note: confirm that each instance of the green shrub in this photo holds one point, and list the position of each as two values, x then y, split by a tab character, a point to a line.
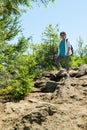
76	61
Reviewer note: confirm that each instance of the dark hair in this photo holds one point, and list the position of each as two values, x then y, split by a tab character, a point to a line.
62	33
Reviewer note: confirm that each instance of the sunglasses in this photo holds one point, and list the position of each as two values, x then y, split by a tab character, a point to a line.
62	35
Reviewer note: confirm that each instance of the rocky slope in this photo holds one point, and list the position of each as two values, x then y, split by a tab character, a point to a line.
56	103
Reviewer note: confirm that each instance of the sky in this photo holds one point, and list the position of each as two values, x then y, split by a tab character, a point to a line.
70	15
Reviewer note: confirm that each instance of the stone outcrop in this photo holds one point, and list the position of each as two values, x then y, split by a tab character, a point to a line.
56	103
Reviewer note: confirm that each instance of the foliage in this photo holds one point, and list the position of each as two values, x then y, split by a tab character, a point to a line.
9	28
76	61
80	57
16	76
45	53
81	48
15	6
17	67
21	62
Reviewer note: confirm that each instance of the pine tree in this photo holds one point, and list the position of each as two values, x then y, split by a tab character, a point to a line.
14	6
46	52
16	68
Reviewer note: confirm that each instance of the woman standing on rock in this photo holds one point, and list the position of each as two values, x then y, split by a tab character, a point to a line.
64	52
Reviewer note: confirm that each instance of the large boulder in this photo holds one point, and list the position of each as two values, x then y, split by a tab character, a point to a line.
49	87
82	70
46	85
34	119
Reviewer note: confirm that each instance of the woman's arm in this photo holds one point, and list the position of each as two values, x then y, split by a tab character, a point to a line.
68	48
68	51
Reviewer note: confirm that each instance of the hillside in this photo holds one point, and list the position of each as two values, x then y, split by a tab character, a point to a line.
55	103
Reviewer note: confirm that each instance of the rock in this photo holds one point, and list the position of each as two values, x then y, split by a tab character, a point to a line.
40	83
84	84
62	73
51	75
46	85
73	73
74	68
49	87
82	70
55	103
36	117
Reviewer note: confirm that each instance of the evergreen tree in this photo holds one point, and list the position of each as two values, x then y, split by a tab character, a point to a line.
14	6
82	48
16	67
46	52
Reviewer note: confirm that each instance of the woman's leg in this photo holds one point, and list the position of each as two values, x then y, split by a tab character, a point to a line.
67	58
58	59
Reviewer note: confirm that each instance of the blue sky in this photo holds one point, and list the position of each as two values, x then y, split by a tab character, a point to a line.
70	15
